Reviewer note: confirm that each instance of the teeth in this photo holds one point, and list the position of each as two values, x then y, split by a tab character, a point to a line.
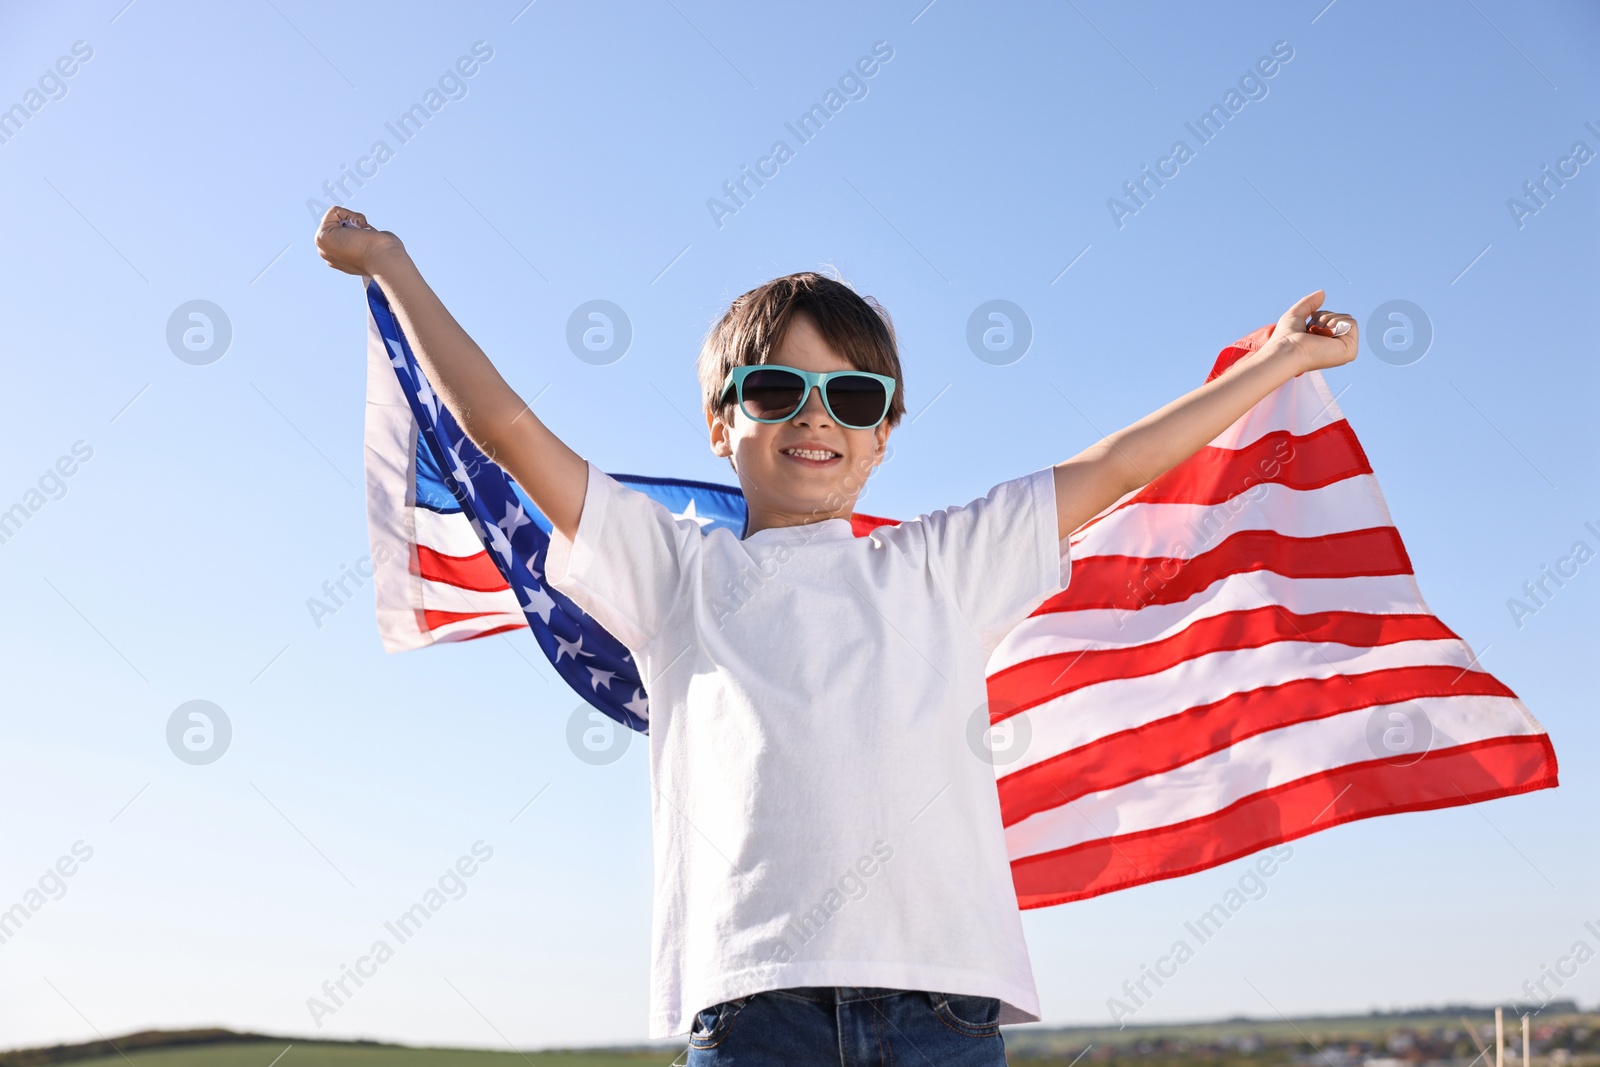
808	453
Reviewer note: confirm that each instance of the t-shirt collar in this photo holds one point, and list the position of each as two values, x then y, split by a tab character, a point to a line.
823	530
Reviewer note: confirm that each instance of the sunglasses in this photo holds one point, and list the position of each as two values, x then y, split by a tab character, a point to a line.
768	392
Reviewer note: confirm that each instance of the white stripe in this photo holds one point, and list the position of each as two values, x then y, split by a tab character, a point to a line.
450	533
1084	715
442	596
467	629
389	452
1300	406
1056	632
1263	762
1185	531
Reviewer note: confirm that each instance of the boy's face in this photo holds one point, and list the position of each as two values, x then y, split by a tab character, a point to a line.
786	490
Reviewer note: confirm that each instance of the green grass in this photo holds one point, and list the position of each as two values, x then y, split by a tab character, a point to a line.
1437	1037
260	1054
1278	1042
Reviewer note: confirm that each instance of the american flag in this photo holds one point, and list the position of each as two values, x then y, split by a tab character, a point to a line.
1242	656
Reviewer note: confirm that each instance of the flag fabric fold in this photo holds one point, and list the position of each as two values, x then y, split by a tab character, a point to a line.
1242	656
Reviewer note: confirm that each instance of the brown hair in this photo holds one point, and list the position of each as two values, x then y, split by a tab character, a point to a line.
856	327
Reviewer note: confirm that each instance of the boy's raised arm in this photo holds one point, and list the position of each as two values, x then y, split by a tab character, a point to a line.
1097	477
488	410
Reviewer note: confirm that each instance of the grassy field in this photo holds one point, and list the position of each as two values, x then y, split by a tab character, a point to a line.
257	1053
1446	1038
1561	1038
253	1055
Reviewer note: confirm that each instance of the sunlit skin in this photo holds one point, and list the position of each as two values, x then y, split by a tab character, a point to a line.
782	490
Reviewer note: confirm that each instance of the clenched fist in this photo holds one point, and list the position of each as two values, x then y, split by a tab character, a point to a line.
1314	339
346	242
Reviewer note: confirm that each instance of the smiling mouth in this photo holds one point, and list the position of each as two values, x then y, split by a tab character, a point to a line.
815	456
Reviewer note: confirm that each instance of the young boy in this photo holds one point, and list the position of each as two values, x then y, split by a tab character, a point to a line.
831	878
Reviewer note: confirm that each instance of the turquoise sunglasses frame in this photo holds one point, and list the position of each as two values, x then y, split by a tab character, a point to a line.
813	380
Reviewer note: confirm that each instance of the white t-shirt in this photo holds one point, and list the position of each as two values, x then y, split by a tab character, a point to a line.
823	809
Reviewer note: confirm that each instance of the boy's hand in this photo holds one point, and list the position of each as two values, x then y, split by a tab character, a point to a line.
1313	339
346	242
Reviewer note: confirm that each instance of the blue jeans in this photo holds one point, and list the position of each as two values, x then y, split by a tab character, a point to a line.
849	1026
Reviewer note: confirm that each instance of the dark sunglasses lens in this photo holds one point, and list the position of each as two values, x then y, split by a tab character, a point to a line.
772	394
857	400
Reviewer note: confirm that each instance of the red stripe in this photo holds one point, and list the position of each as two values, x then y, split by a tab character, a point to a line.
482	633
1241	348
1155	747
1213	475
1310	461
1023	685
1129	583
476	572
1483	770
434	619
862	524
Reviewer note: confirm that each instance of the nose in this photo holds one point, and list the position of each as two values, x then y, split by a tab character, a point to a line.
813	412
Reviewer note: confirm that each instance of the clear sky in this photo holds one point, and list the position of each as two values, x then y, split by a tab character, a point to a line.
208	501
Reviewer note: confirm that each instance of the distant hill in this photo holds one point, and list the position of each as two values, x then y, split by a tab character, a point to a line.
1135	1031
1456	1034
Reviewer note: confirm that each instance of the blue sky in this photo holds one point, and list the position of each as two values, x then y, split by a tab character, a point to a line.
575	163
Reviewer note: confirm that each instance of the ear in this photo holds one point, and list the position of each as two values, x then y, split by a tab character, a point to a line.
881	432
720	444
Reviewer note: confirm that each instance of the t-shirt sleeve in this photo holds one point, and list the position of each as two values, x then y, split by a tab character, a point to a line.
628	563
1000	556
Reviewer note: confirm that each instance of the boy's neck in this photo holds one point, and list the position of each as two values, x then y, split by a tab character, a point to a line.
755	521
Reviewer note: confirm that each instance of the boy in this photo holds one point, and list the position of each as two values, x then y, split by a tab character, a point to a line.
831	878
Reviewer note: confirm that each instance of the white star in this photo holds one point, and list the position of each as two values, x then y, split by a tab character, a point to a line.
539	602
399	357
459	472
569	648
595	674
536	572
638	705
688	513
425	394
515	519
497	541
